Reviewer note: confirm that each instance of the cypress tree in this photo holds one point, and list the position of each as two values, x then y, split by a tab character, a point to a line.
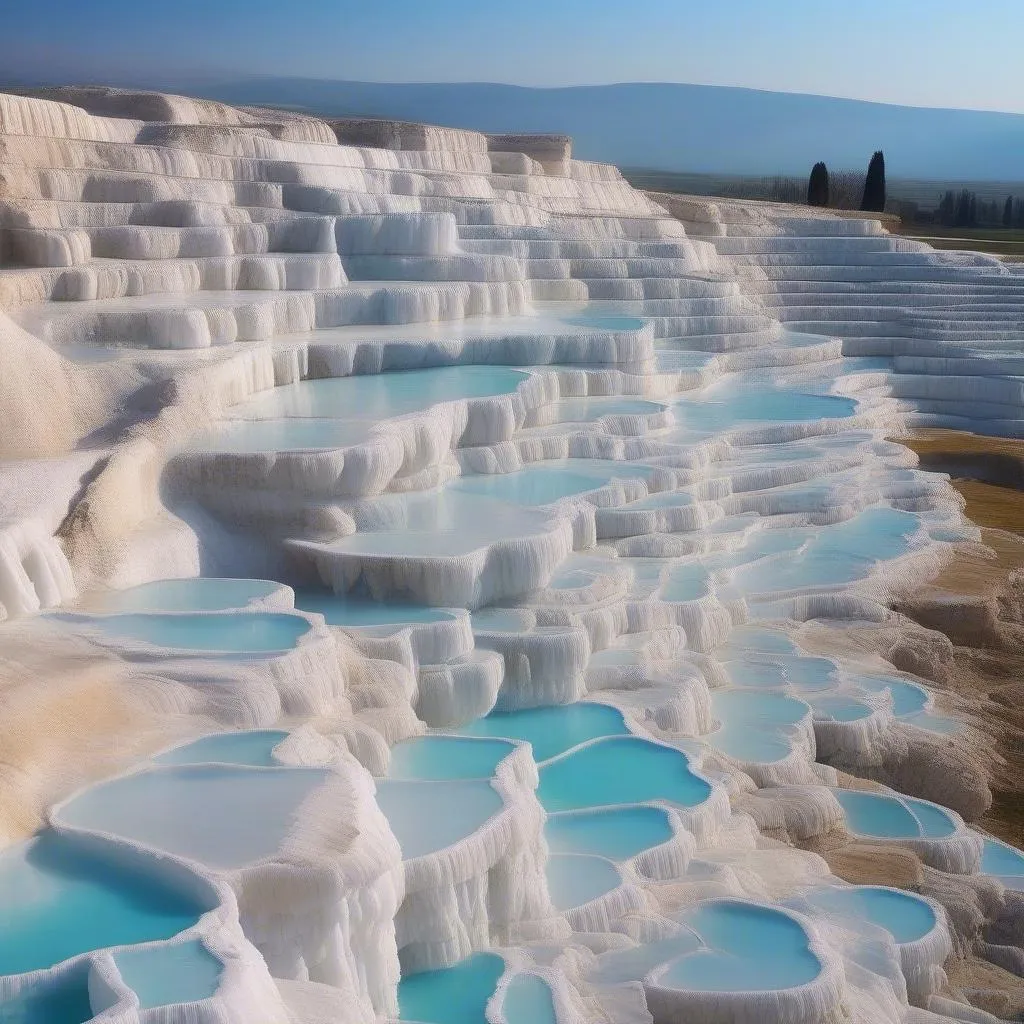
817	185
874	185
1008	213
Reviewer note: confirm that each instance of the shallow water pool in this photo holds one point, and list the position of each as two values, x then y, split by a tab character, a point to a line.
830	556
617	833
880	533
546	482
746	948
501	620
687	583
805	570
223	633
552	730
447	757
756	726
663	499
721	409
889	817
253	748
528	1001
353	613
184	972
223	816
1005	862
907	698
805	674
760	638
619	770
575	879
382	395
448	522
63	1002
454	995
537	485
586	410
906	917
429	816
59	901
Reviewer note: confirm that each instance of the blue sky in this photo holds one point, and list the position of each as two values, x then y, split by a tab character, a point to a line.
920	52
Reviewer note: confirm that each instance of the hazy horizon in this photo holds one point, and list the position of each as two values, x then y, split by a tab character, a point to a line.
886	51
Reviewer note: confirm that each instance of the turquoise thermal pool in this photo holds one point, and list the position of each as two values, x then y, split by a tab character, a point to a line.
1004	862
769	670
586	410
182	972
617	833
907	698
832	556
62	1002
721	410
60	901
893	817
687	583
426	816
575	879
528	1001
543	484
450	522
252	748
380	396
454	995
501	620
352	613
744	948
447	757
619	770
905	916
224	816
225	633
756	726
551	730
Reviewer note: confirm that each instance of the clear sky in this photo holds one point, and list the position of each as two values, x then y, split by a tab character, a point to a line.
950	53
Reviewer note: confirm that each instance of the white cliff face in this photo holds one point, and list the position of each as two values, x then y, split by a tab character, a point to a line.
430	574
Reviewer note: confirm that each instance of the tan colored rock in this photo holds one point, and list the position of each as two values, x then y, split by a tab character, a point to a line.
986	986
860	864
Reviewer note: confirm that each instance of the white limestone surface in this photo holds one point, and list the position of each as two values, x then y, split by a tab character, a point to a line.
339	446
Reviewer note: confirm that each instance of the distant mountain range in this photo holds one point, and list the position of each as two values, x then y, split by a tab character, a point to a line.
683	127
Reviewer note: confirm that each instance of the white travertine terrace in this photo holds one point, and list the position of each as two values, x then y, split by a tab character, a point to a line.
603	476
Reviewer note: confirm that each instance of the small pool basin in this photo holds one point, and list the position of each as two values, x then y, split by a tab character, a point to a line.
620	770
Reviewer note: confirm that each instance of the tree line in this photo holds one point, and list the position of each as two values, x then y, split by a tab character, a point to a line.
964	209
855	190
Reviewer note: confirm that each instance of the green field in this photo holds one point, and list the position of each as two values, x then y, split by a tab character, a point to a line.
1005	242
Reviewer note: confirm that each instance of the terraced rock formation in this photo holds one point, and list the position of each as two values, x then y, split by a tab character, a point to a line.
440	581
